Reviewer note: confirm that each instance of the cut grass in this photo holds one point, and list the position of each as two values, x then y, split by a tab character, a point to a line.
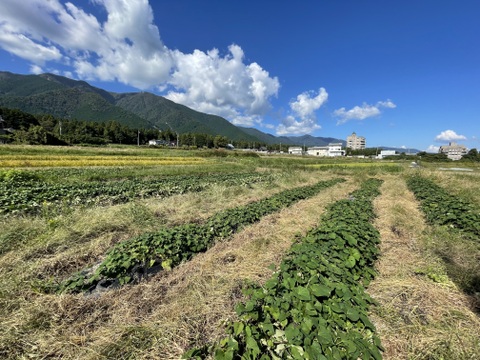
422	313
167	314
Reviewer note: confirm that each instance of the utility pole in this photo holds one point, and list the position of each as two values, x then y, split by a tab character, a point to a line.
138	137
173	131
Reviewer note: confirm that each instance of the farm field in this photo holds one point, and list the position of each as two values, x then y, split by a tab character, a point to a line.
421	267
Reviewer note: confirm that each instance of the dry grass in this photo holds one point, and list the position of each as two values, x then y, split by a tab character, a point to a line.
155	319
422	314
465	184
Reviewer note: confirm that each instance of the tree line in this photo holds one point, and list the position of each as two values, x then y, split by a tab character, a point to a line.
23	128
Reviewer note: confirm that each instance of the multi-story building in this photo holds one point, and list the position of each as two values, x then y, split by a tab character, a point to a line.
355	142
453	150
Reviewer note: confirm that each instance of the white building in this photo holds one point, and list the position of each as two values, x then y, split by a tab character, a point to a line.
384	153
335	149
332	149
453	150
318	151
355	142
295	150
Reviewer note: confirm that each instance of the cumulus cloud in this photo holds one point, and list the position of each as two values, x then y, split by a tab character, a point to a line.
433	149
225	86
362	112
302	119
449	135
127	47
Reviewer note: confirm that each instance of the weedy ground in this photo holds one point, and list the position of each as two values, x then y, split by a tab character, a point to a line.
425	311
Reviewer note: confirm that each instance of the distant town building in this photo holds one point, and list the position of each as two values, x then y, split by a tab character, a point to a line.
355	142
453	150
295	150
335	149
158	142
384	153
332	149
318	151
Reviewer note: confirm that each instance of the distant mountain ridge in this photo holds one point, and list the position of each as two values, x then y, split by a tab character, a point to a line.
75	99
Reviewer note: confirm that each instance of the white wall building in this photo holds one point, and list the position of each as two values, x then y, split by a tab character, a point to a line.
332	149
295	150
318	151
384	153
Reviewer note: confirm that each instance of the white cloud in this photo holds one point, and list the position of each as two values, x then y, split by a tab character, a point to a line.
433	149
35	69
303	119
225	86
362	112
127	47
449	135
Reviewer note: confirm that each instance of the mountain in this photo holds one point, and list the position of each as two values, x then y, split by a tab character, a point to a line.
163	114
309	140
400	150
306	140
63	98
267	138
72	99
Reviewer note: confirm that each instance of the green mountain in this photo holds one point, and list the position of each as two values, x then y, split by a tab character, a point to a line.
72	99
163	114
66	98
306	140
63	98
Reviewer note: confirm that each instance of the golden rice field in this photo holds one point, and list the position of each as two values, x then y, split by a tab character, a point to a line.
14	161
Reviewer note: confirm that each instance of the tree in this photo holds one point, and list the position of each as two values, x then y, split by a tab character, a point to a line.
472	155
220	141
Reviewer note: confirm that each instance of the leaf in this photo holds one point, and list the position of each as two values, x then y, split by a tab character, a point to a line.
167	264
324	337
320	290
297	352
350	262
252	345
307	325
238	327
352	314
302	293
291	332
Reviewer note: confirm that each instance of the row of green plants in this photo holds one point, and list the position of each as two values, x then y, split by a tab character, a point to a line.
315	305
25	192
442	208
168	247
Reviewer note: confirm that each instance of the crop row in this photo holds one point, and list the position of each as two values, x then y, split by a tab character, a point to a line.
315	306
442	208
168	247
24	192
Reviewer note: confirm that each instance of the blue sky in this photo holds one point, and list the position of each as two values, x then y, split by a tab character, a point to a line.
402	74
